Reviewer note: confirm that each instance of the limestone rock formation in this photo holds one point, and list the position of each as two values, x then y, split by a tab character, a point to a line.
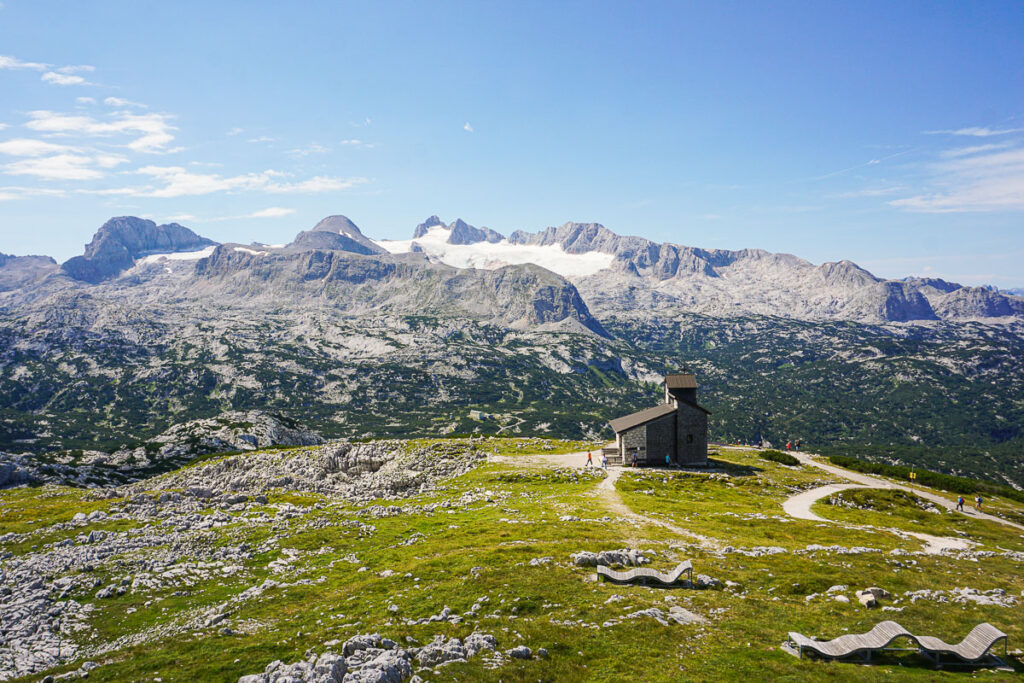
120	241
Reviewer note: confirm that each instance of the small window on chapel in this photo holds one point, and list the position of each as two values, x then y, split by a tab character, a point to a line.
689	438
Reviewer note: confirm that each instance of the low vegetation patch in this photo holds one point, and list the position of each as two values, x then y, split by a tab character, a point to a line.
780	457
948	482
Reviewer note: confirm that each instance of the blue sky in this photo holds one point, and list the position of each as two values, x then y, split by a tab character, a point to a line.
888	133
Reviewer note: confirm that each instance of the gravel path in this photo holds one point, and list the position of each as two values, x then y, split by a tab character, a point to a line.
877	483
609	495
799	506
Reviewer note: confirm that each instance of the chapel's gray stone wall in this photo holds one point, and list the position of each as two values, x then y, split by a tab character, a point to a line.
634	439
692	447
661	439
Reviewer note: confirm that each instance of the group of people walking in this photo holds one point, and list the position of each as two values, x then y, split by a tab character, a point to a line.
960	503
590	461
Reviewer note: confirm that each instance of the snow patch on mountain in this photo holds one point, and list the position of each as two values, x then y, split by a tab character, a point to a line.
492	255
176	256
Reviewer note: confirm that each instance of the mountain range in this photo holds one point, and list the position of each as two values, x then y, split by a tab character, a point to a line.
551	332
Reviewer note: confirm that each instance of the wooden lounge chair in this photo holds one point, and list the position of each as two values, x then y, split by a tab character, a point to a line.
973	649
855	644
646	575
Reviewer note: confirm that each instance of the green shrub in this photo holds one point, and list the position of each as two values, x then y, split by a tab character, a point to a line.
948	482
780	457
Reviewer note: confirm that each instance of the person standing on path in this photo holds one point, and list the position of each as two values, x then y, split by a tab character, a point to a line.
590	460
604	462
978	502
960	503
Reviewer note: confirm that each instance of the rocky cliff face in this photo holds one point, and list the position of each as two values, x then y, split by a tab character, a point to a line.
646	276
358	284
464	233
339	233
977	303
21	271
120	241
639	277
461	232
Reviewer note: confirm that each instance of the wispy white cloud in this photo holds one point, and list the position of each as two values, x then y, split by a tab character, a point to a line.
271	212
870	162
7	62
26	147
235	131
121	102
55	78
153	132
85	100
468	128
313	148
262	138
873	192
975	149
76	68
57	167
61	75
176	181
4	125
12	193
989	180
976	131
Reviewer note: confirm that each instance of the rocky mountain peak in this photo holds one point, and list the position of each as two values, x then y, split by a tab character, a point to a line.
846	273
464	233
19	271
341	225
336	233
121	240
426	225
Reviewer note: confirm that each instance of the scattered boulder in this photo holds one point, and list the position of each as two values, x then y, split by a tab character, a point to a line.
705	581
867	599
625	557
369	658
520	652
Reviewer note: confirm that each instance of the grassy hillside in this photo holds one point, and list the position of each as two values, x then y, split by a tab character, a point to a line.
344	568
940	396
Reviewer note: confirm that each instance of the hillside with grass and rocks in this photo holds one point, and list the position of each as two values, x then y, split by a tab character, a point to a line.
474	559
461	330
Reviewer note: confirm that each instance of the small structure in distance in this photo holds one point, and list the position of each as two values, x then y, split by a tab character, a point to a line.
676	430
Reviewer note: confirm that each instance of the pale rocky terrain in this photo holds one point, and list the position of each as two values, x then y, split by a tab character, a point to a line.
551	332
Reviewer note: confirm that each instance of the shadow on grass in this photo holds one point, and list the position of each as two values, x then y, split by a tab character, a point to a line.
912	658
733	468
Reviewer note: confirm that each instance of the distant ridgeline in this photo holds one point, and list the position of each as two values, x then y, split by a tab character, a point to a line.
462	330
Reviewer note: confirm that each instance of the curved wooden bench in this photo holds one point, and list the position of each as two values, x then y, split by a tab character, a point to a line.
972	649
644	575
863	644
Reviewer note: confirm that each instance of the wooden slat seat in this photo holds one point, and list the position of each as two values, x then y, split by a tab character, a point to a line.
973	648
863	644
644	574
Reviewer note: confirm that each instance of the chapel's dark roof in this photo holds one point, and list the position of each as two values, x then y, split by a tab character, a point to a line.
621	424
681	380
